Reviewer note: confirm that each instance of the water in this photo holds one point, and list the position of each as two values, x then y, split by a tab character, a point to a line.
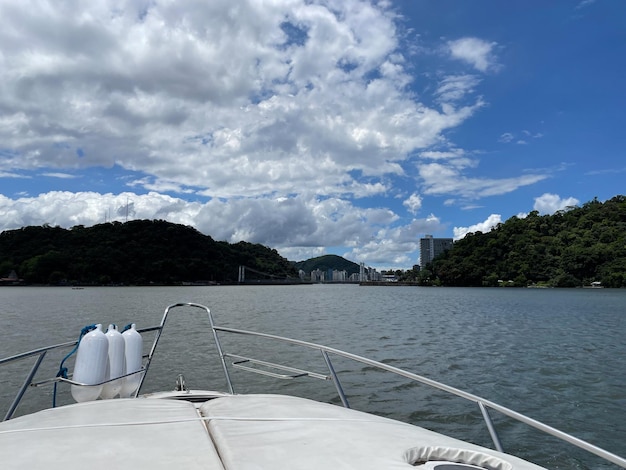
555	355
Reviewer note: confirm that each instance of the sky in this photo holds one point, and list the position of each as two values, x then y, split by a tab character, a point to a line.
344	127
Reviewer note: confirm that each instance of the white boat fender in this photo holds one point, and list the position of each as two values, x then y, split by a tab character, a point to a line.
134	360
62	369
90	365
116	363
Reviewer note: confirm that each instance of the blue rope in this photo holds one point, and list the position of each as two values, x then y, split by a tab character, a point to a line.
63	370
127	327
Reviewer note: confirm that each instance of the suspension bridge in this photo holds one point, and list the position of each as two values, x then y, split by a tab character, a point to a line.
248	275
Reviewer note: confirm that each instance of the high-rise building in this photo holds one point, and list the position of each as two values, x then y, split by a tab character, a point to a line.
431	247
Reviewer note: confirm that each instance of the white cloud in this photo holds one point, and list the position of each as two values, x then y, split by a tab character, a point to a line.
9	174
66	209
474	51
608	171
509	137
536	135
506	137
443	155
584	3
413	203
485	226
456	87
60	175
392	247
439	179
550	203
213	96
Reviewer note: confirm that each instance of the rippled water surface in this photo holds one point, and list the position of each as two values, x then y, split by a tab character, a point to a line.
556	355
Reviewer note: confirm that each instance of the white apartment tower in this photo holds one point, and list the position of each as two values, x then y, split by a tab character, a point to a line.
431	247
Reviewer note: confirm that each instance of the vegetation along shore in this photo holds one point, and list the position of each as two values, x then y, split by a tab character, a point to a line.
580	246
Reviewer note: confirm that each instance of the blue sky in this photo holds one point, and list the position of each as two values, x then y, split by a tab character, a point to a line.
345	127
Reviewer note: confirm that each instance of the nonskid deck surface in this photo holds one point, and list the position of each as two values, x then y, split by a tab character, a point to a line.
228	432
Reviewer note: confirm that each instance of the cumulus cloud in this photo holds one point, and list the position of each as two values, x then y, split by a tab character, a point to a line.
164	89
257	121
413	203
393	246
485	226
550	203
476	52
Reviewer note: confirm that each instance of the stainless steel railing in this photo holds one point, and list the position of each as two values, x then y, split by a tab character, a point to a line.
483	404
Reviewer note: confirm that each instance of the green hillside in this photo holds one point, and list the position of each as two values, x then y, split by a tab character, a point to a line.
137	252
326	262
571	248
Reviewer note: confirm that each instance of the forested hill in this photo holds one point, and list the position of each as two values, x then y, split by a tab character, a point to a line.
571	248
326	262
135	252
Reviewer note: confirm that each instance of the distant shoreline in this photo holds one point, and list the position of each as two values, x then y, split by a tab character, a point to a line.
391	284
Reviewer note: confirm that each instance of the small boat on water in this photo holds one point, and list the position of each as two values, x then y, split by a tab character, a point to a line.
225	430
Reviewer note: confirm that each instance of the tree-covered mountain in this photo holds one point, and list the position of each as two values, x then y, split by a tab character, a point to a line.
571	248
326	262
135	252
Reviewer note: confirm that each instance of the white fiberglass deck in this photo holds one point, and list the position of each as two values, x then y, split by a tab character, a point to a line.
240	432
131	433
